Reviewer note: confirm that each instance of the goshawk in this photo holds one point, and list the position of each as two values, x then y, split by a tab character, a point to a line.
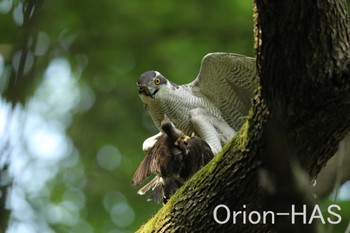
213	106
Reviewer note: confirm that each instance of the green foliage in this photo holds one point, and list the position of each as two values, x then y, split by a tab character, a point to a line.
105	46
343	212
108	44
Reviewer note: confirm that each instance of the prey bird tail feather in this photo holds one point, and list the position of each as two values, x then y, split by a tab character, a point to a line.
150	185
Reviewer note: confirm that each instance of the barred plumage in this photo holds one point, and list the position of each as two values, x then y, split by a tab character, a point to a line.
212	106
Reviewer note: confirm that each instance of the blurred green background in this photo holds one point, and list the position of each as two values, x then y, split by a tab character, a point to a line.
73	136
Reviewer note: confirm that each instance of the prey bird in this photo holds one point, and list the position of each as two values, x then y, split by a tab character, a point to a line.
213	106
174	158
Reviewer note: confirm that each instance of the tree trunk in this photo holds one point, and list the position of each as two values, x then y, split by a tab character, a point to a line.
336	172
300	113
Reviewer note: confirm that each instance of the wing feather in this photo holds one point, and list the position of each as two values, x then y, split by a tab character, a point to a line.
228	80
151	162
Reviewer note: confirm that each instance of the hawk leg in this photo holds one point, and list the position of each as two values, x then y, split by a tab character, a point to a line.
215	131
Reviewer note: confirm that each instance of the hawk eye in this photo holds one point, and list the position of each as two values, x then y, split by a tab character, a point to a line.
157	81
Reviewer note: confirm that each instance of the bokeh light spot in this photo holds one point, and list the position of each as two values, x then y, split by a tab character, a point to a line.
109	157
42	44
74	177
82	227
112	198
5	6
75	196
28	61
122	214
2	65
18	14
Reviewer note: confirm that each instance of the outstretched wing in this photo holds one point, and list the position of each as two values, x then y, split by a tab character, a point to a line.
143	171
152	161
228	80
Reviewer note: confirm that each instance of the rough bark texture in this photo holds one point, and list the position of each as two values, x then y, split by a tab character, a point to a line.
300	113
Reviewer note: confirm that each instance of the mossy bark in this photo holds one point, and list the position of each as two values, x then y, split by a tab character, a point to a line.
300	112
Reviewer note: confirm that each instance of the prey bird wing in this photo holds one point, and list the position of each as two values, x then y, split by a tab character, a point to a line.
150	164
174	158
228	80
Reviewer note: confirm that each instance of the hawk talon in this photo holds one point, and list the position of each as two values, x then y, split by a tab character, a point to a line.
186	138
212	105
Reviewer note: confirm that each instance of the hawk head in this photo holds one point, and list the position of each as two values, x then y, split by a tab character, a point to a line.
150	83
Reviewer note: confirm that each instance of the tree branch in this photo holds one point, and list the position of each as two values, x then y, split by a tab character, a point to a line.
299	115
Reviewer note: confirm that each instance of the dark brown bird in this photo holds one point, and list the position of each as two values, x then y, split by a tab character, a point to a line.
174	158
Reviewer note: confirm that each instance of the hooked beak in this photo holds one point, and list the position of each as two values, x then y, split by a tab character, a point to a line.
144	90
